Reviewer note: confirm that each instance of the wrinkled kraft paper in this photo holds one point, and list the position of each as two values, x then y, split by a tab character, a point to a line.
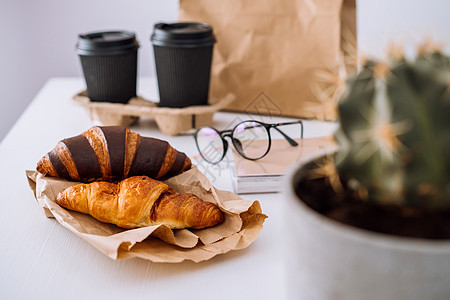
243	223
279	57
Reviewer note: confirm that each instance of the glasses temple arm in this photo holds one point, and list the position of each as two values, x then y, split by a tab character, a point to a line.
289	139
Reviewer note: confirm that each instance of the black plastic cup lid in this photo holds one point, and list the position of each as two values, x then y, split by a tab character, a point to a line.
183	35
106	43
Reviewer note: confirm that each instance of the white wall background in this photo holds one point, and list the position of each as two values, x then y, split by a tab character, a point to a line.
406	22
37	38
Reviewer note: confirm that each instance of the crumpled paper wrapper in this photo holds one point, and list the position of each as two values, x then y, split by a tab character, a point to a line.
243	222
279	57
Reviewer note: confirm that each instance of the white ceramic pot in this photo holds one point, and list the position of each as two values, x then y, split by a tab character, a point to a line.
329	260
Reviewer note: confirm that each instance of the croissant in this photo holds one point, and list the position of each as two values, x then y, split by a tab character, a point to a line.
112	153
140	201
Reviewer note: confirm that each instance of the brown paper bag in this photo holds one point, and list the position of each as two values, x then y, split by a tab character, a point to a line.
279	57
243	223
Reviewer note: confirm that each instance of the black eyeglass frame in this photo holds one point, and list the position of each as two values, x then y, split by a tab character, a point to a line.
229	133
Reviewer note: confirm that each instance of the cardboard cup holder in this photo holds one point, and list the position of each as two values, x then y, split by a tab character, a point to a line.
171	121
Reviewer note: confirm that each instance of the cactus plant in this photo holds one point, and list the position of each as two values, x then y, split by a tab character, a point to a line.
394	131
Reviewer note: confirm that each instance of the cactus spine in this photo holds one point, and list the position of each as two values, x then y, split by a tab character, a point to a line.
394	131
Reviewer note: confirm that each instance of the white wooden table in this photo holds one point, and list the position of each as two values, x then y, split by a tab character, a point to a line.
40	259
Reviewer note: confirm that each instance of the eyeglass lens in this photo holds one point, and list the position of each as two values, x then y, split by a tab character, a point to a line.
210	144
251	139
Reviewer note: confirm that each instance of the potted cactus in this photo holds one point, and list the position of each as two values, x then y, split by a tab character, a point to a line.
372	220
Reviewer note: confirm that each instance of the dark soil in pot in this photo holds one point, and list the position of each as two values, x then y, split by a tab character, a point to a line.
319	195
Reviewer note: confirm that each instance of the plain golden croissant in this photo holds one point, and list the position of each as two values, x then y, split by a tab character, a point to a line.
140	201
112	153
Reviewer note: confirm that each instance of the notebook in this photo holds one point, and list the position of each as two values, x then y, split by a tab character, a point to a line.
266	174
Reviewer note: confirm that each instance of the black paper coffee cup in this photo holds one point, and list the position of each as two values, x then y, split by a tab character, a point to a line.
109	63
183	55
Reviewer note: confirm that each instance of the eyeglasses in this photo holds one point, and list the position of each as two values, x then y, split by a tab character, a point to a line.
251	139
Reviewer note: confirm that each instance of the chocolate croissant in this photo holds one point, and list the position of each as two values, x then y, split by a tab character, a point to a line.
112	153
140	201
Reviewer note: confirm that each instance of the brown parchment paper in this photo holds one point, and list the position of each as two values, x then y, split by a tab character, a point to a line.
243	222
279	57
